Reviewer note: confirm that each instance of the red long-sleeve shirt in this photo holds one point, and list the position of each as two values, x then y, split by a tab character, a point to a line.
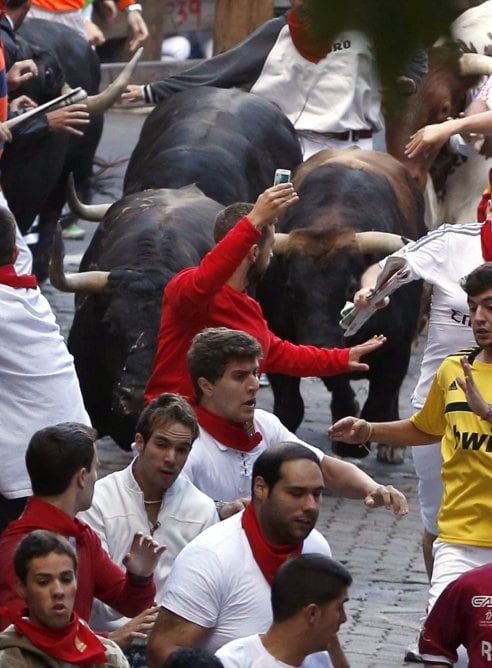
200	297
97	576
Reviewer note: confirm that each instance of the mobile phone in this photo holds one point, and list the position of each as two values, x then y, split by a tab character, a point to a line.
281	176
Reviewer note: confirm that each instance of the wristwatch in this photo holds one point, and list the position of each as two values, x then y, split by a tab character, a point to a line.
136	7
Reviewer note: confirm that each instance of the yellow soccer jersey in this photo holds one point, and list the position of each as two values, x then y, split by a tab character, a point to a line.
465	515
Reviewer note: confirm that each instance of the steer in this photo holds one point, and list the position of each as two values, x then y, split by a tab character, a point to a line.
226	141
304	289
142	242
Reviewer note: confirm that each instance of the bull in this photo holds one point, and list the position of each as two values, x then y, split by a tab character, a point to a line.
44	161
304	289
226	141
143	240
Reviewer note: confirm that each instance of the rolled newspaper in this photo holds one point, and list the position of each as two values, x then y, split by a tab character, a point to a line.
72	97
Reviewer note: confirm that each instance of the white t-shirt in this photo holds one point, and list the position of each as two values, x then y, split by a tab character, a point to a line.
38	380
224	473
118	512
339	93
248	653
442	258
216	583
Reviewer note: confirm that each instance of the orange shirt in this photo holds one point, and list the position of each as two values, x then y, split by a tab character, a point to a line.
73	5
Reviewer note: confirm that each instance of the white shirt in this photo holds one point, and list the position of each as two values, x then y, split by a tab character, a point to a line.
38	380
248	653
216	583
339	93
118	512
224	473
442	258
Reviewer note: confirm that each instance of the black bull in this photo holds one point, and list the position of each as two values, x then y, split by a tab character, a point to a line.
226	141
302	295
143	241
35	167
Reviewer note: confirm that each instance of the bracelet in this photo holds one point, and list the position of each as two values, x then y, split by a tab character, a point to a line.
371	430
488	414
135	7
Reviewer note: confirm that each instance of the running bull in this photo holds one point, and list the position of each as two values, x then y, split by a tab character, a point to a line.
142	242
226	141
307	285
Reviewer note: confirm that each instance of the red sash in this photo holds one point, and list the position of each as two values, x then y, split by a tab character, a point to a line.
231	434
314	52
268	557
8	276
74	643
486	237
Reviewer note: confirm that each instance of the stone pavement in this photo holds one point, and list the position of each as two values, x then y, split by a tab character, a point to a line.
382	552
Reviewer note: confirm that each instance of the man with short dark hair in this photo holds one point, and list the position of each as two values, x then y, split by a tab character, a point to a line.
62	464
308	597
214	294
52	633
219	586
151	492
224	365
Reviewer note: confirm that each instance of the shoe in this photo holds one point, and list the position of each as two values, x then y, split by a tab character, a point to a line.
412	653
73	231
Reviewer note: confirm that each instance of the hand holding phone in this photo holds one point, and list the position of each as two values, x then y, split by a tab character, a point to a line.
281	176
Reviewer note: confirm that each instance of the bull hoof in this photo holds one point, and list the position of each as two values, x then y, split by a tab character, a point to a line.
391	454
346	450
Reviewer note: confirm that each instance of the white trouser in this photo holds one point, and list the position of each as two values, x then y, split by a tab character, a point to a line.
450	561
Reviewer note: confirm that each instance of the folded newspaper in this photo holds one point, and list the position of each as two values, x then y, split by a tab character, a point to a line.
394	274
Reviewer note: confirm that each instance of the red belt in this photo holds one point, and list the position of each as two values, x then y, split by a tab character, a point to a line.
349	135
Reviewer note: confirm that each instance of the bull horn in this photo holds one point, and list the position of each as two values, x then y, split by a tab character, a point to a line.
475	63
89	281
96	104
379	242
92	212
280	243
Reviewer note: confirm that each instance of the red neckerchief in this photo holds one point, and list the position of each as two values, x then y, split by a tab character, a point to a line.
231	434
303	42
42	515
486	237
8	276
74	643
268	557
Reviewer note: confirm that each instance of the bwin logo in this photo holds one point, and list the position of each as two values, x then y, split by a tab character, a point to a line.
482	601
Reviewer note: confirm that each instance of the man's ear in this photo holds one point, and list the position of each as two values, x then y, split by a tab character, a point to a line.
253	253
139	443
260	488
206	386
20	587
15	255
80	476
312	613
